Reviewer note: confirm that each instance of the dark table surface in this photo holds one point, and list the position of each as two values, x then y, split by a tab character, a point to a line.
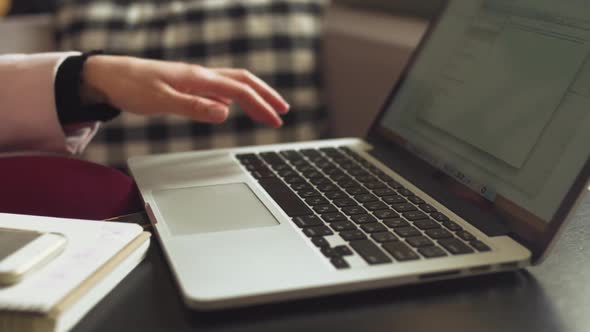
554	296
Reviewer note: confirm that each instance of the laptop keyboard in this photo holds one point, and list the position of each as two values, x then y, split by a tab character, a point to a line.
335	191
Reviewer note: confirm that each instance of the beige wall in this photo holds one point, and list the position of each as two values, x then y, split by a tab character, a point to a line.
363	55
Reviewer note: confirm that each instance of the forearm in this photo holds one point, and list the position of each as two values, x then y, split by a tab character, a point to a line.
45	104
29	118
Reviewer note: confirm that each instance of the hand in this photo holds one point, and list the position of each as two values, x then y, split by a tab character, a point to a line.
151	87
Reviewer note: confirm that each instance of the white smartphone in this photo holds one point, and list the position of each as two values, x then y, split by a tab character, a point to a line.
23	251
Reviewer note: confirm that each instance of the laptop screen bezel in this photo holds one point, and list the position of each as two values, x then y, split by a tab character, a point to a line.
537	240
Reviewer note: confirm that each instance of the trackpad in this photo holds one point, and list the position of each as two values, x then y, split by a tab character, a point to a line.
214	208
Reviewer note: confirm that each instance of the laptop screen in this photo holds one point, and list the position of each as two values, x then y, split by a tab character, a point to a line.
498	99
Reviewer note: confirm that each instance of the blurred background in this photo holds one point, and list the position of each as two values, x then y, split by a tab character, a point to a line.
334	61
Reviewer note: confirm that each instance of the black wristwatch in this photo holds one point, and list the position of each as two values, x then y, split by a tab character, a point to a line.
68	99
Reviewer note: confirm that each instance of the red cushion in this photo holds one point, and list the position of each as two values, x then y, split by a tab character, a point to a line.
65	187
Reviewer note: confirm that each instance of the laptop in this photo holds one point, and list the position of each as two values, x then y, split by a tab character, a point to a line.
473	165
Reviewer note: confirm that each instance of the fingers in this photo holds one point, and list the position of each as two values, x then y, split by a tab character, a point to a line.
263	89
197	108
256	99
251	102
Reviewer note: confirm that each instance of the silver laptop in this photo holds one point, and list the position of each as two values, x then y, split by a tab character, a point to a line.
473	165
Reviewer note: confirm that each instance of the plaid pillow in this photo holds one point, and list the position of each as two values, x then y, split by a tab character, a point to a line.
277	40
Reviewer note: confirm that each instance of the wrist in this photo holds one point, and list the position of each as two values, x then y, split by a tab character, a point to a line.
80	95
92	89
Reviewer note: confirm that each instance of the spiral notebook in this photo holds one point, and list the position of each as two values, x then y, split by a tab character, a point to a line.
54	298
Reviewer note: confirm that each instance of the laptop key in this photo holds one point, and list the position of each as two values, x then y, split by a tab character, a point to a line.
359	174
280	167
320	180
262	174
416	200
455	246
329	252
256	167
465	236
405	192
310	153
302	165
353	210
370	252
431	252
377	205
394	199
332	217
427	208
414	215
347	183
291	155
339	176
327	208
352	235
407	231
345	225
366	179
395	222
327	187
439	216
400	251
287	172
307	193
384	214
335	194
364	198
301	186
356	190
375	185
329	151
403	207
439	233
320	242
383	237
392	183
317	231
342	202
317	200
373	227
343	250
271	157
364	218
452	226
339	263
285	198
306	168
294	179
479	246
242	156
307	221
426	224
419	241
382	192
347	165
299	163
330	169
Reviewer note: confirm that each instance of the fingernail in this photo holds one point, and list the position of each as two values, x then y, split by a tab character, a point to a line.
217	114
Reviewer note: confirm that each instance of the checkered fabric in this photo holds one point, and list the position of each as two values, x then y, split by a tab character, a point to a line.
278	40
